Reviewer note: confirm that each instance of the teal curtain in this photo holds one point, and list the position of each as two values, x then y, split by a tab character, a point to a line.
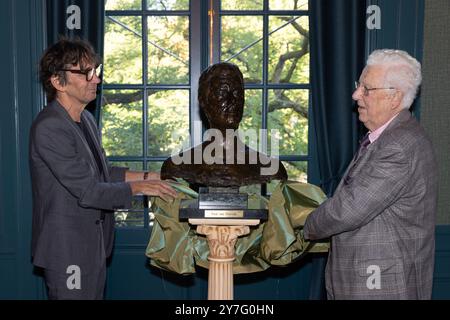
337	58
92	13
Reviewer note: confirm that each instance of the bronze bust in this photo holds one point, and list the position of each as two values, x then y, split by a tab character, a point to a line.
227	162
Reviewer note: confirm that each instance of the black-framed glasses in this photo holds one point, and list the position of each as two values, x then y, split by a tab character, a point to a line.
366	91
89	73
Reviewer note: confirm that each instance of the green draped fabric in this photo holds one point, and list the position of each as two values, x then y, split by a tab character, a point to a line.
176	247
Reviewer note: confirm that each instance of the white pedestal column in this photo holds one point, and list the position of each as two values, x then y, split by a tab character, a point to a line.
221	239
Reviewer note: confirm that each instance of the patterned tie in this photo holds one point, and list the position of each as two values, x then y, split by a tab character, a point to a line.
363	143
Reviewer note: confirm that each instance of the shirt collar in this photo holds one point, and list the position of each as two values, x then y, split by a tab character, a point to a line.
377	133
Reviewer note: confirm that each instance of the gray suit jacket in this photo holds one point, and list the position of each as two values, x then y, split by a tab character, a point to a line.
381	219
70	193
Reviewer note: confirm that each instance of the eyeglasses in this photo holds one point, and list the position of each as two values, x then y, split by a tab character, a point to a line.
89	73
366	90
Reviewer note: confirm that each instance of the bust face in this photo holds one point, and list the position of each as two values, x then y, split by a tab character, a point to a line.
221	97
223	100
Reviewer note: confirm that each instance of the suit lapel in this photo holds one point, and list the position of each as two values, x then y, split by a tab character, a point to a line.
55	105
403	116
95	138
355	165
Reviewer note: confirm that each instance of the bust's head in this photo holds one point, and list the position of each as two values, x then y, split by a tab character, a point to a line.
221	95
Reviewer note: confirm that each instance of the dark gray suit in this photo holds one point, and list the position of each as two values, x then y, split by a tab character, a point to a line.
70	194
382	219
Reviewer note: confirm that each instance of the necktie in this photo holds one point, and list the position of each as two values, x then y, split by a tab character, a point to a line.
364	142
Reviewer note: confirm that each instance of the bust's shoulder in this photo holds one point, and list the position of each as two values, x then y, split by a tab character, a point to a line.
198	165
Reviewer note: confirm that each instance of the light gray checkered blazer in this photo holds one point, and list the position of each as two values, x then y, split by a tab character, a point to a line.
381	219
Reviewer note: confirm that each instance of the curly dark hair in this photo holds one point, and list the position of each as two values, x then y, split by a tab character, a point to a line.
64	54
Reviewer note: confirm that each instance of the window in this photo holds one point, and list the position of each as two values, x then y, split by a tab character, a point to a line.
154	53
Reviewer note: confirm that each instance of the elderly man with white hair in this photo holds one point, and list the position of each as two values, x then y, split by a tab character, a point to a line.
381	218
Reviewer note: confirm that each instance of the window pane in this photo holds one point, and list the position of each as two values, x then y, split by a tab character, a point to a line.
123	4
123	50
251	189
241	44
296	170
129	218
252	118
137	203
132	165
242	4
151	218
168	50
121	122
288	4
168	4
288	50
154	166
168	121
288	115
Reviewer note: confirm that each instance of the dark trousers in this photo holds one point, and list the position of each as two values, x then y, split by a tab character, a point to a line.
63	286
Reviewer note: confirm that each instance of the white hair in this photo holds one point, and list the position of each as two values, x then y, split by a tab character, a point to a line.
403	72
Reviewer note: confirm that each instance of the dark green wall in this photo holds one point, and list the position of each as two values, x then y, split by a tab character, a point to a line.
441	280
402	24
22	35
435	94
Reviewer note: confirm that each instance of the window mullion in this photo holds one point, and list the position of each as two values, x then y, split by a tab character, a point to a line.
195	50
216	34
265	75
145	104
145	83
265	81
